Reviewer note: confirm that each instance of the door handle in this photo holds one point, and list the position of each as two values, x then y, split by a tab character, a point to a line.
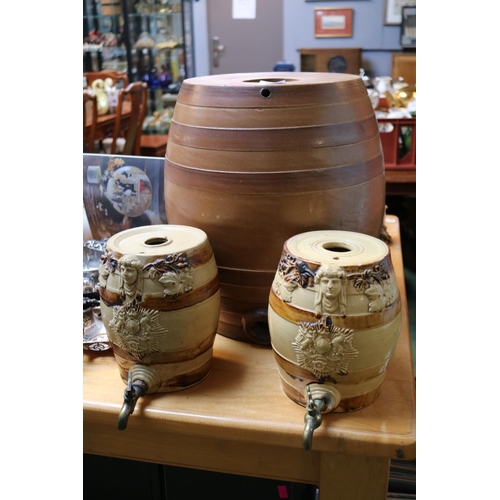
217	49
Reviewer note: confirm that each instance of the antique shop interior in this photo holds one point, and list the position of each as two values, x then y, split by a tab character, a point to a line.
252	165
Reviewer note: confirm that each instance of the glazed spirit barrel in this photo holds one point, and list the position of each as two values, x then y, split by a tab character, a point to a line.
334	317
255	158
160	304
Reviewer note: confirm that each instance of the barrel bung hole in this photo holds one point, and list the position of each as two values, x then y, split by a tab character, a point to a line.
265	92
271	80
156	241
336	247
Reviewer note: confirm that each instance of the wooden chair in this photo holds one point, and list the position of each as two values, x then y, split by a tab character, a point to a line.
116	76
89	113
404	65
136	93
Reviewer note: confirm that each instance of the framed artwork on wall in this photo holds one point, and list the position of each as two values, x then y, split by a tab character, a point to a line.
331	23
393	11
409	27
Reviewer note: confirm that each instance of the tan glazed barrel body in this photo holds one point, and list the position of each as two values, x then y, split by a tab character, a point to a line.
160	304
253	161
334	317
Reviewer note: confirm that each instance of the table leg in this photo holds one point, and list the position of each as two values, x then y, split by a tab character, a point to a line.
353	477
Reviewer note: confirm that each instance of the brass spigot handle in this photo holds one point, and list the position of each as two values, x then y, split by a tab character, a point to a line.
312	418
132	393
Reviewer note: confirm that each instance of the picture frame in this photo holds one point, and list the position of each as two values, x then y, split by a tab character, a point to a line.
408	38
393	11
105	213
333	23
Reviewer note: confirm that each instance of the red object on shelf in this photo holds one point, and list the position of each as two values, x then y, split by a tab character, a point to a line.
399	142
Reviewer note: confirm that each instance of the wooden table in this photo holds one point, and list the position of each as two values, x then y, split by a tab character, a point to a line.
106	123
239	421
154	145
401	182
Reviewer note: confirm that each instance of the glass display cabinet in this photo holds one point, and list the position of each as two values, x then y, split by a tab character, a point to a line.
151	40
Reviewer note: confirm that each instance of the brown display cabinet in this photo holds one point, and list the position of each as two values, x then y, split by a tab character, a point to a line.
332	60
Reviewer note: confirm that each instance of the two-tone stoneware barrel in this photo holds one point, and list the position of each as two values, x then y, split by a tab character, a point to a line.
334	317
255	158
160	303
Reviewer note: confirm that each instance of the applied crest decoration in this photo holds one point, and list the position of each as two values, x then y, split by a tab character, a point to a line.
137	330
323	348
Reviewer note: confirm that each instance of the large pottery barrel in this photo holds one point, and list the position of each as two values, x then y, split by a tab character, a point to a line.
255	158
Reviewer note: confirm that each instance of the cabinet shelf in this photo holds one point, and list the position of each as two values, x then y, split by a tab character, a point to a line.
94	47
159	49
156	15
101	16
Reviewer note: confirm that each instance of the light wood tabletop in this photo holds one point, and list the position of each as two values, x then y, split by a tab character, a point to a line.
238	420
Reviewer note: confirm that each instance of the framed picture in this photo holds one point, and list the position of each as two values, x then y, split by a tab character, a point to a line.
122	192
393	11
330	23
409	27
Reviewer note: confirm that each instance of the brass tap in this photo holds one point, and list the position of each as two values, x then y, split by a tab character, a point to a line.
312	418
133	392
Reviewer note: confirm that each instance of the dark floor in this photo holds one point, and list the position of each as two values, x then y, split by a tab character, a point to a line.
107	478
110	478
404	207
411	291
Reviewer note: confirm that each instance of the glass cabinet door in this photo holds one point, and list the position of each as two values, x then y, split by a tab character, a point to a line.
104	43
151	40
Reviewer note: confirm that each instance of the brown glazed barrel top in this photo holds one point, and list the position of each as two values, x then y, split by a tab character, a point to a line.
269	117
248	90
275	160
274	138
313	121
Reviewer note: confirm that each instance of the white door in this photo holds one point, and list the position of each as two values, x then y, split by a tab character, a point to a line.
245	45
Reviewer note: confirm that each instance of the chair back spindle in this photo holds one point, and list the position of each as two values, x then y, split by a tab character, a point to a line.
131	131
89	116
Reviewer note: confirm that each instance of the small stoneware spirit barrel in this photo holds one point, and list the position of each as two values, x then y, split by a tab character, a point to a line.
160	304
334	318
254	158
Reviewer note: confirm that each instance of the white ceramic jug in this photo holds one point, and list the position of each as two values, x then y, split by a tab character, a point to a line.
383	84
